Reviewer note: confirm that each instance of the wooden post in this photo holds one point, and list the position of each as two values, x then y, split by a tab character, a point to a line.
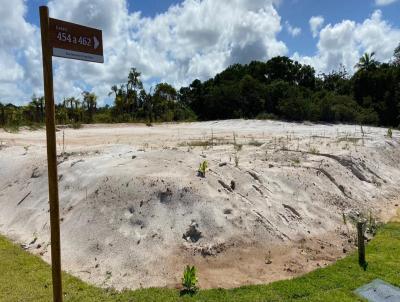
51	155
361	244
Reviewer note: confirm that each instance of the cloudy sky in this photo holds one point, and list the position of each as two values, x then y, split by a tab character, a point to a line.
179	41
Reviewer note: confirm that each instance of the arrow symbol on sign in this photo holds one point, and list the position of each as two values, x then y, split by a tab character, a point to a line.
96	42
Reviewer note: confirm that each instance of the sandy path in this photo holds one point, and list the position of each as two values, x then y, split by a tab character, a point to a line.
134	212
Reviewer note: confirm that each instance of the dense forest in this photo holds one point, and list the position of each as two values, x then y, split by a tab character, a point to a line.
277	89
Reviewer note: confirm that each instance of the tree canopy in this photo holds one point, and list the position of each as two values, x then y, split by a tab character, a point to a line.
279	88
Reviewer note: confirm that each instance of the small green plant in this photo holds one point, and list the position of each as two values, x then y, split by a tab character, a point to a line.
268	259
196	143
389	133
236	160
108	275
296	161
344	218
255	143
76	125
13	128
189	281
236	146
203	168
372	224
314	150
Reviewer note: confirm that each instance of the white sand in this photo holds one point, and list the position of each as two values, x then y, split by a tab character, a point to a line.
128	193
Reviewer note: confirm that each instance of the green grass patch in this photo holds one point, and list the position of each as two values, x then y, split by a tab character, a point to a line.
349	139
220	142
196	143
11	128
35	126
255	143
24	277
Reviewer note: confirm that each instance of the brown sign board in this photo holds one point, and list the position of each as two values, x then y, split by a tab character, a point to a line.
74	41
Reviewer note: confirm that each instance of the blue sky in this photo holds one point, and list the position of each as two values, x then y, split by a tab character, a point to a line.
149	8
195	39
296	12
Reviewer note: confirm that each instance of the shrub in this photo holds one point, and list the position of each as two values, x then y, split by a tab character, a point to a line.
266	116
236	146
189	281
13	128
294	108
102	118
236	160
314	150
344	113
368	116
255	143
389	133
202	169
76	125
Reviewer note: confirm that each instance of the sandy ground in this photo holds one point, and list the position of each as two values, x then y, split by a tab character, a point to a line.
134	211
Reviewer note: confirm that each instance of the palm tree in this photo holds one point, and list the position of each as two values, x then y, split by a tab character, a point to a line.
30	112
42	107
134	82
77	103
119	104
367	62
73	111
37	107
34	105
90	99
120	99
114	89
133	86
70	102
396	60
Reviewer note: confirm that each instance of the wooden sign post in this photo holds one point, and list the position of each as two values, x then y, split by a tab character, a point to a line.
361	244
68	40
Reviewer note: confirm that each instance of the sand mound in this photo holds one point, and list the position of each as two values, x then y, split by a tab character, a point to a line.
134	211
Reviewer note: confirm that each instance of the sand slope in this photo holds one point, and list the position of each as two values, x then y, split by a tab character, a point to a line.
134	211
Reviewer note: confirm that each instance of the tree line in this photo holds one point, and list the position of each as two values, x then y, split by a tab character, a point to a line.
284	89
277	89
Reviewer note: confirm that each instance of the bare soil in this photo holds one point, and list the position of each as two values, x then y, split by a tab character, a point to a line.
277	200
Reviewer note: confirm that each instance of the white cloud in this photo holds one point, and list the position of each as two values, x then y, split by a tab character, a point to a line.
343	43
293	31
384	2
195	39
316	23
19	53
